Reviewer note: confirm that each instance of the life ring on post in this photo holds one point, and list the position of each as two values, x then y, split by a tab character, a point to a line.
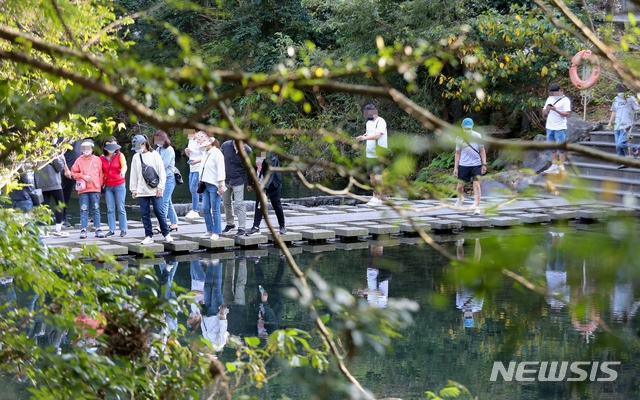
595	69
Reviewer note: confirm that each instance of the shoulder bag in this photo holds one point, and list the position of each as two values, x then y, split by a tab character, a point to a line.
201	185
103	188
178	175
149	174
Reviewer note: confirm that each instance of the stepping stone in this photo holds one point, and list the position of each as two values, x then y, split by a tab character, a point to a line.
342	208
592	214
318	234
351	231
504	221
330	212
510	212
135	225
287	237
361	210
185	257
476	222
252	240
148	261
114	249
305	215
539	210
216	244
222	255
194	237
139	249
318	248
445	225
385	242
298	228
411	240
292	249
359	245
181	246
383	229
324	225
562	215
532	218
248	253
360	223
408	228
621	212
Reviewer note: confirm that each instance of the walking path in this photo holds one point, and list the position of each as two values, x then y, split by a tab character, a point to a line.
326	228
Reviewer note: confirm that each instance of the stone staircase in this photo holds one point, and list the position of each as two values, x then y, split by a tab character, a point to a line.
604	180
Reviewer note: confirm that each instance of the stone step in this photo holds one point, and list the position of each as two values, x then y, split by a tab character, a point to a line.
608	137
608	170
607	195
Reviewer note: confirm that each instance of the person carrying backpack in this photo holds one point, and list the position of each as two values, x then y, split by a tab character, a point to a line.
272	188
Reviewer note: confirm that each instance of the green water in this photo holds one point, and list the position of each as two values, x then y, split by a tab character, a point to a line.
504	321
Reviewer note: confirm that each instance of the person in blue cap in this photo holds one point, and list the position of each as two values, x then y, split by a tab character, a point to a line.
470	163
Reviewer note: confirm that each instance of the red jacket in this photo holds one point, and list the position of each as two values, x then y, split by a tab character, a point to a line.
88	166
112	169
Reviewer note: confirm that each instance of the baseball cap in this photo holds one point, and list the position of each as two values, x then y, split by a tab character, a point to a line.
621	88
137	142
554	87
467	123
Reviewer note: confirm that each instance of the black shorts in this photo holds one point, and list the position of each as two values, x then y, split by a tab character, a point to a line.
469	174
374	166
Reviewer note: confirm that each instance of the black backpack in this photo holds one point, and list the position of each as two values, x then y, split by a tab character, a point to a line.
149	174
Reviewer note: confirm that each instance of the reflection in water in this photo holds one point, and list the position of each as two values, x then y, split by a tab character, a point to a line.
623	304
469	299
557	273
378	278
268	301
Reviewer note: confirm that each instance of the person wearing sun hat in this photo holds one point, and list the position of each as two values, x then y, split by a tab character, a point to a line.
470	163
212	174
114	168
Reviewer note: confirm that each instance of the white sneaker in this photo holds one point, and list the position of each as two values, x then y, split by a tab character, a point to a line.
553	169
370	202
192	215
458	202
168	239
60	233
206	235
477	211
375	202
214	237
561	169
147	240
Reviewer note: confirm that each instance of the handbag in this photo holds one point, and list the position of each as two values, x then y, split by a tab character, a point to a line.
178	175
202	186
149	174
80	183
37	198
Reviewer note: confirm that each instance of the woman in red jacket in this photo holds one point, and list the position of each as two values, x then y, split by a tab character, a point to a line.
87	171
114	168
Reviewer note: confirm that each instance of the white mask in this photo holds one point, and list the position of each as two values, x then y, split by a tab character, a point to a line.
87	153
139	151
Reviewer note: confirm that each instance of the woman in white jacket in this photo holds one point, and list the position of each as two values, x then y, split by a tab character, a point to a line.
145	194
212	173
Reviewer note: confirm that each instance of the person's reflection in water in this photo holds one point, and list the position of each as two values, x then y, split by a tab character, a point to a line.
556	275
270	306
623	304
587	323
468	299
377	290
167	272
234	297
214	321
197	288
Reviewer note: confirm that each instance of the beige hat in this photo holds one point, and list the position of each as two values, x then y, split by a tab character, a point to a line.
203	139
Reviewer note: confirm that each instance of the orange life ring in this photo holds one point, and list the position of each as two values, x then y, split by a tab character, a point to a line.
595	69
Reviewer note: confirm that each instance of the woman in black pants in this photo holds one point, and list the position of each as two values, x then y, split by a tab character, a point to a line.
272	188
49	180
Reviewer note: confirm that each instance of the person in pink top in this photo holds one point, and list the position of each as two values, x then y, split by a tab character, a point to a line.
87	172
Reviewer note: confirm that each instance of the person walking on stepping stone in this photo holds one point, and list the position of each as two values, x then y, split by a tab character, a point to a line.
470	164
557	109
236	179
376	138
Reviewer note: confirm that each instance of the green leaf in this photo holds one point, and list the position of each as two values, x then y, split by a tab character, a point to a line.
252	341
231	367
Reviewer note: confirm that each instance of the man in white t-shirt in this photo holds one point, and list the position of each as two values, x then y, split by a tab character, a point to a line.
557	109
470	164
376	136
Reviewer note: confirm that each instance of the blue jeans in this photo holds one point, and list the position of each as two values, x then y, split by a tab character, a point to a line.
158	210
169	211
558	136
621	142
213	289
115	195
88	201
197	274
194	178
211	201
23	205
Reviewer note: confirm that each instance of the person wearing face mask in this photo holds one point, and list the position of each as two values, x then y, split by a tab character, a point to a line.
194	152
376	138
213	174
168	155
470	163
557	109
235	181
49	180
114	168
87	171
145	194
